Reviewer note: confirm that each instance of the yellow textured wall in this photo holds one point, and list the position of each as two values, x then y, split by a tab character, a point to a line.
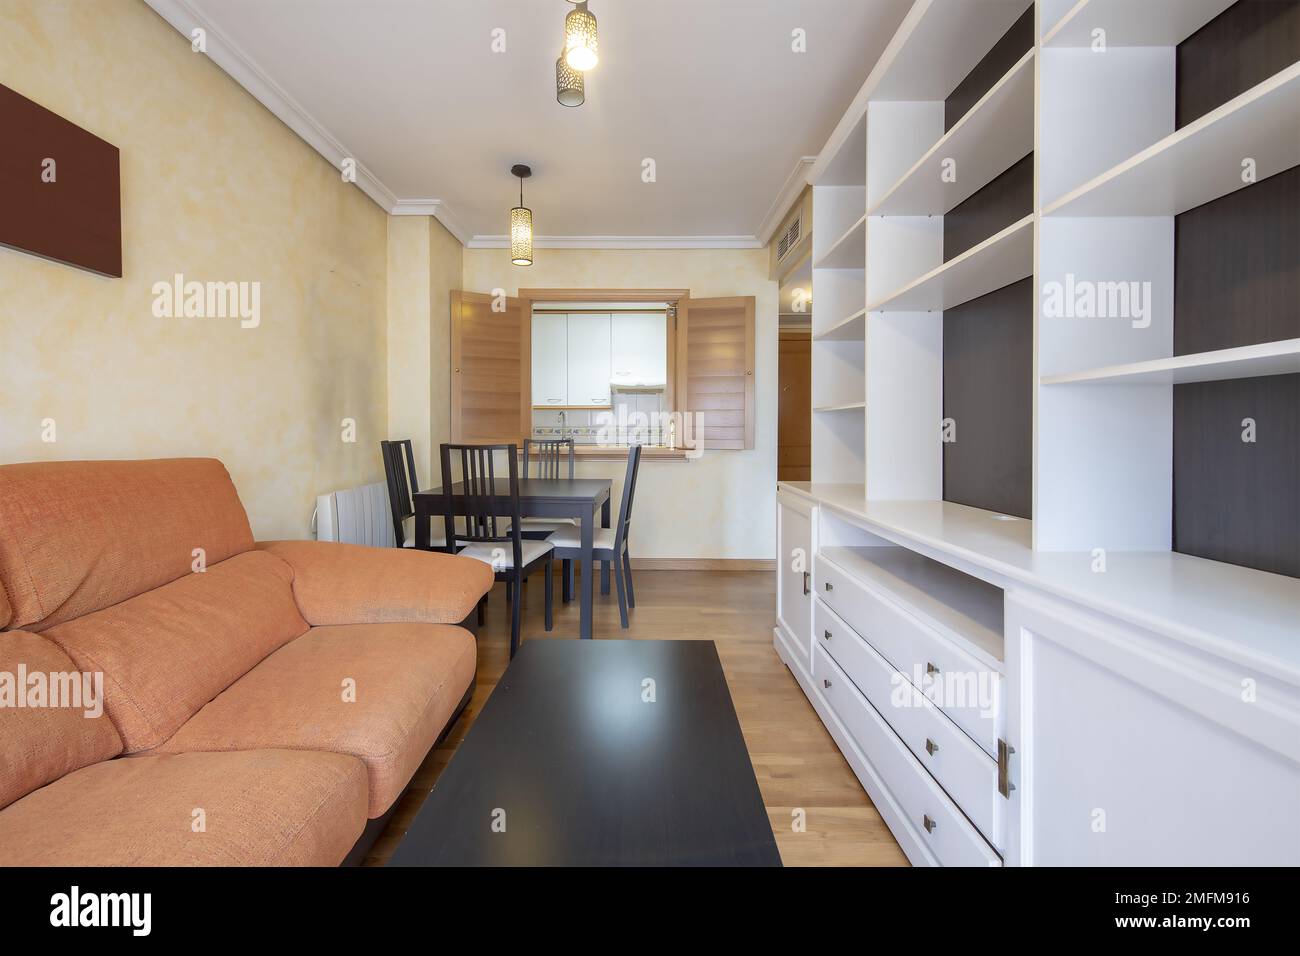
446	273
409	409
424	266
724	504
216	188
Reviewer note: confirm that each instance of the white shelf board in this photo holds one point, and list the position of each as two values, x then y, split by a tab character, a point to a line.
938	43
1240	614
843	407
1203	160
1134	22
1003	258
849	251
960	605
1247	361
995	133
852	329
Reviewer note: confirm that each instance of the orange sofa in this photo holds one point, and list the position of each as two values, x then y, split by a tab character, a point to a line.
260	701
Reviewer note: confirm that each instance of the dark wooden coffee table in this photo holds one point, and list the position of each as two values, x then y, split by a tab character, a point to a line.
569	765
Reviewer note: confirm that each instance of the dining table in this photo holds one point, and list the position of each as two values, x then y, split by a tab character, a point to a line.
577	498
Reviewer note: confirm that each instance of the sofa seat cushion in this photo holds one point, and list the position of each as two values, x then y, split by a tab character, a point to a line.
80	536
52	720
255	808
380	692
166	653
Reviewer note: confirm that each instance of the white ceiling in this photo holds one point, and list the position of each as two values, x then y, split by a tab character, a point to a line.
710	89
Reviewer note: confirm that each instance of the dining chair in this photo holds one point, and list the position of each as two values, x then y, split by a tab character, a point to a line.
491	537
550	458
399	471
608	544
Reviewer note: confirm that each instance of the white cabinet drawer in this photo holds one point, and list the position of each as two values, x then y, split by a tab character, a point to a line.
846	596
940	824
962	687
966	772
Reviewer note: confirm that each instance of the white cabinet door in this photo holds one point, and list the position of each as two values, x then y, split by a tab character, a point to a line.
640	348
1133	750
794	540
588	359
550	370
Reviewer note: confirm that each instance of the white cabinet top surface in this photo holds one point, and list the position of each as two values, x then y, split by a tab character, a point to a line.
1240	614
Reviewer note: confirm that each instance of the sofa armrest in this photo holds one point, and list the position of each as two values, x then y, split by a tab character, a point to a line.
336	583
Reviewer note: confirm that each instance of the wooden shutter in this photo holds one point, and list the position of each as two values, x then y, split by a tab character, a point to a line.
715	368
491	360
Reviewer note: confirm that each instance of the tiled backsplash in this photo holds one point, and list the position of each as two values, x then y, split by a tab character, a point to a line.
634	414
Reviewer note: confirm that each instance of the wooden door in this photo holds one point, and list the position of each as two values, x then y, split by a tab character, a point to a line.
794	406
491	351
715	368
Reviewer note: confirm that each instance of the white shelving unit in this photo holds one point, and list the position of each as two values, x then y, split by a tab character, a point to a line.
1094	626
848	251
997	131
1153	23
1247	361
1001	259
1202	161
850	329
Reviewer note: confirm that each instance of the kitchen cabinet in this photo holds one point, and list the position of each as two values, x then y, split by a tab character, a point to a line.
589	358
639	348
550	371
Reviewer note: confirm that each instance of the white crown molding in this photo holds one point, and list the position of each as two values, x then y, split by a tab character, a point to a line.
435	208
791	189
227	55
622	242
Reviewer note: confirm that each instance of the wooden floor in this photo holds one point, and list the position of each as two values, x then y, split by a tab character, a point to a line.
797	764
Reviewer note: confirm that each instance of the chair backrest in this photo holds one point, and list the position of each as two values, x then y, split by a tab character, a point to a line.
550	455
399	470
482	507
629	490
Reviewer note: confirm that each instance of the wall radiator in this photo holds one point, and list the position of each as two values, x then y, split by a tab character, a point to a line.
356	516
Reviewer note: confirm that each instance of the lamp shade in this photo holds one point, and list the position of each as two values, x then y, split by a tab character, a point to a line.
521	236
580	39
570	89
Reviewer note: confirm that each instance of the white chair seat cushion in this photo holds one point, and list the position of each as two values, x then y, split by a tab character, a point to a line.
437	533
572	538
501	554
543	525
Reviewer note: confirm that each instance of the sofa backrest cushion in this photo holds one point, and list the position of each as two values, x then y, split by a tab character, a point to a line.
166	653
52	721
78	536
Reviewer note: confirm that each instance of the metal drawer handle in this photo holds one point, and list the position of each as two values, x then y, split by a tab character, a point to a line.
930	668
807	582
826	635
826	682
931	747
928	822
829	586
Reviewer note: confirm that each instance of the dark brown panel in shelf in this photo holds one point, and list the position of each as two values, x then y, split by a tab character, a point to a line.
1240	48
1004	200
1237	268
60	196
1239	501
1014	44
988	392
